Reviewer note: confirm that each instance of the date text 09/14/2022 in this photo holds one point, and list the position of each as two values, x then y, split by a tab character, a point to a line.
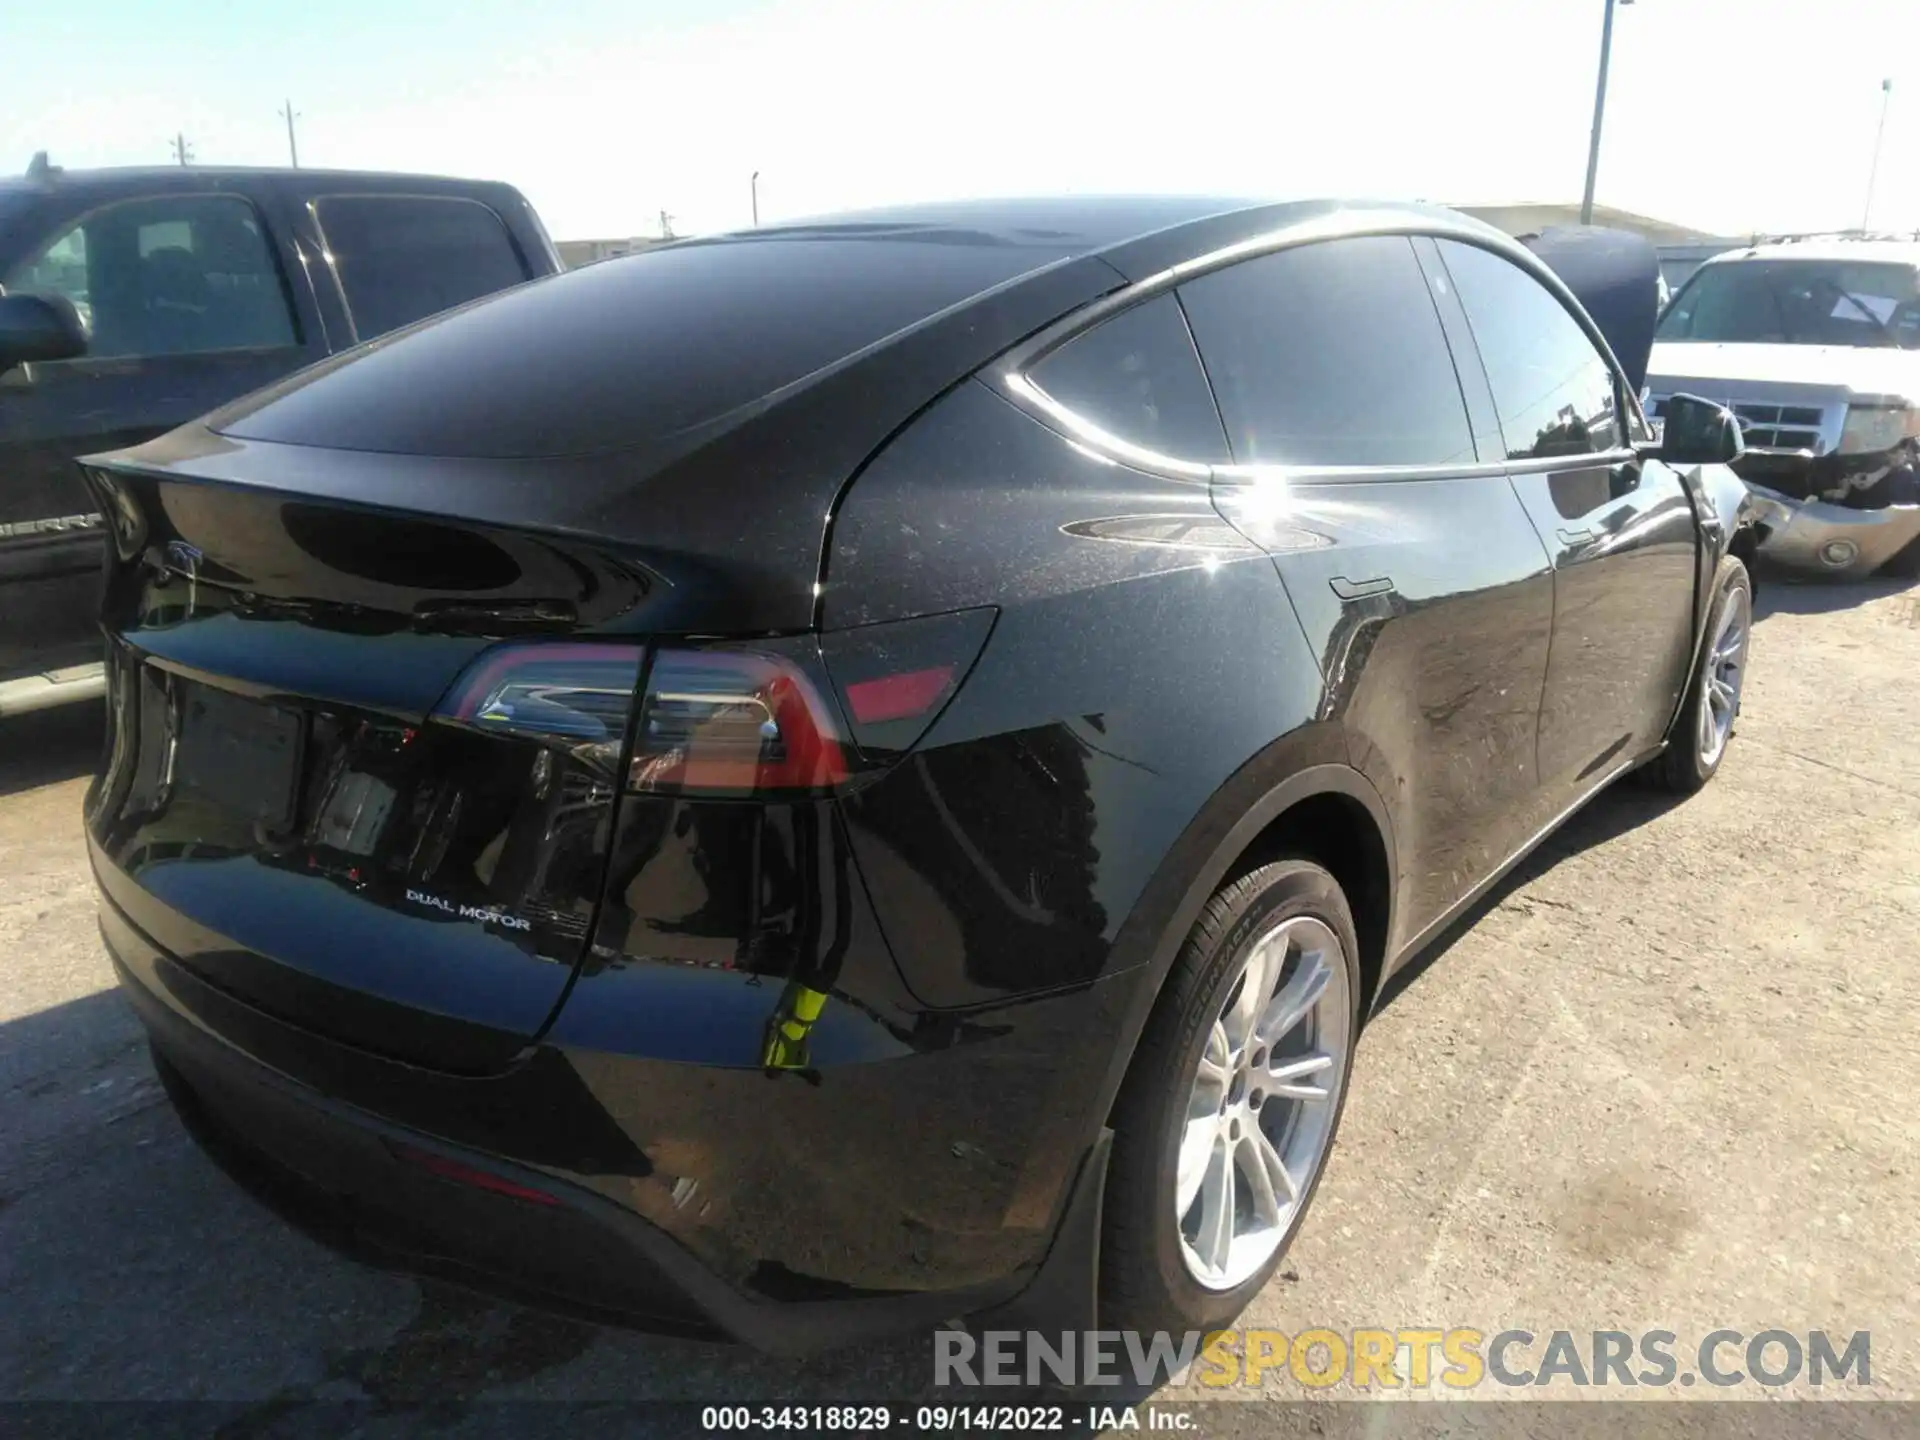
936	1419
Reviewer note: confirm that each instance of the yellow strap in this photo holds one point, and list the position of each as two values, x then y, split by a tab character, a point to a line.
807	1004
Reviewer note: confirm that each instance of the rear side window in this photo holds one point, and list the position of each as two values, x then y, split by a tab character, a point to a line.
1137	377
1553	389
1330	354
402	258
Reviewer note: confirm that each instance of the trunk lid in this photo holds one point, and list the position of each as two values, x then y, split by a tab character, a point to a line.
283	809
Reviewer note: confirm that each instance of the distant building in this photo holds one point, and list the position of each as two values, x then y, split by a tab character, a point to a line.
575	253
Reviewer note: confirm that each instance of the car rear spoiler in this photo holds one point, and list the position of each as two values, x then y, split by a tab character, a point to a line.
1616	275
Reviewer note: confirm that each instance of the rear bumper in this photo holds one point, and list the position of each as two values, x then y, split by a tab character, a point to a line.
424	1173
391	1198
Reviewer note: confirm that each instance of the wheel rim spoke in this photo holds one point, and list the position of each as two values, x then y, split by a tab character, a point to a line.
1215	1239
1272	1185
1297	998
1216	1062
1197	1144
1290	1078
1261	1186
1263	964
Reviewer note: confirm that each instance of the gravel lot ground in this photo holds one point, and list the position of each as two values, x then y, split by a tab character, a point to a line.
1667	1079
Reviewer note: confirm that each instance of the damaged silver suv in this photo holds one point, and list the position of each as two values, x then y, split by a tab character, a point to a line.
1815	345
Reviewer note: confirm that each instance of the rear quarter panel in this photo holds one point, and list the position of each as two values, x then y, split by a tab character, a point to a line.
1143	652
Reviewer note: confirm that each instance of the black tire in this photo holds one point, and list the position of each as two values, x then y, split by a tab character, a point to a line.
1683	769
1145	1283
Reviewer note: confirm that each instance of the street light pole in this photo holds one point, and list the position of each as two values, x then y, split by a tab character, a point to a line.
1873	171
293	150
1599	112
755	183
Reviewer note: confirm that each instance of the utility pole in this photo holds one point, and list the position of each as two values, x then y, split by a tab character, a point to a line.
666	226
293	150
182	148
755	183
1599	112
1873	171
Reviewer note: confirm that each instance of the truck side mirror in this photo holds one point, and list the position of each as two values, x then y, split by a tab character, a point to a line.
1699	432
38	327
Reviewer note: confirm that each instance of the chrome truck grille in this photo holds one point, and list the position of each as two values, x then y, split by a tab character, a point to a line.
1779	427
1790	428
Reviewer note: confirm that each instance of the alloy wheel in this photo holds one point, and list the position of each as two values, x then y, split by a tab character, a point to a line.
1262	1102
1723	675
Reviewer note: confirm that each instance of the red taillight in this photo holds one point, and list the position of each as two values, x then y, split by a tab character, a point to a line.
895	678
898	697
733	722
728	720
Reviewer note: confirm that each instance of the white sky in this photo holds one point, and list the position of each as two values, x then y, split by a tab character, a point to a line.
1728	115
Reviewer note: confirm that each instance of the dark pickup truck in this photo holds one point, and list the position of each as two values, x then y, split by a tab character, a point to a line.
134	300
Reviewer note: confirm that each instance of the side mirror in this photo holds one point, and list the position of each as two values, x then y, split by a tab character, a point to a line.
1699	432
38	327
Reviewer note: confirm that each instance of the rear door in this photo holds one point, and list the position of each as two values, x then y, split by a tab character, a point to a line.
1410	561
401	258
1621	529
187	306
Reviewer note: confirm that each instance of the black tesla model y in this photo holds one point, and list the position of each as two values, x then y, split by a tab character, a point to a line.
807	783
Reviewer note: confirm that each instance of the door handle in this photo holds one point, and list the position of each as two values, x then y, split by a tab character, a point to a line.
1359	589
1582	536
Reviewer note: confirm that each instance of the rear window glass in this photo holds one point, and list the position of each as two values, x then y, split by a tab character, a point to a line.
401	258
1137	377
630	351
